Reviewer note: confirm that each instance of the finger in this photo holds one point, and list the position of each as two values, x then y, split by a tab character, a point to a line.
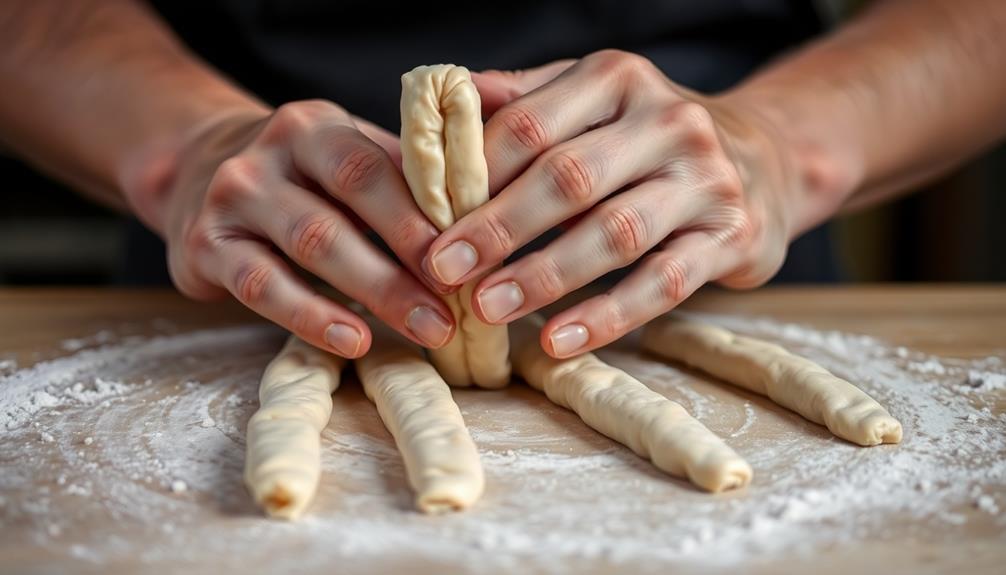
261	281
360	174
659	284
324	241
584	95
498	87
613	235
565	181
383	138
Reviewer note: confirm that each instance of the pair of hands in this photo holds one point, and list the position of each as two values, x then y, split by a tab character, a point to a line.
631	165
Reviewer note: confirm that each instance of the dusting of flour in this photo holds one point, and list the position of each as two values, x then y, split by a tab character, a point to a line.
144	437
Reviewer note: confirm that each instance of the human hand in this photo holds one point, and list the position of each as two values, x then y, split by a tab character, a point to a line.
251	188
640	164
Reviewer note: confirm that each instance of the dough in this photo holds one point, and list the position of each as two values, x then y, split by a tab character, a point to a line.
444	164
767	369
621	407
283	460
415	404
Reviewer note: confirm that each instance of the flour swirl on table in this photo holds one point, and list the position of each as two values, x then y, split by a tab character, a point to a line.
145	436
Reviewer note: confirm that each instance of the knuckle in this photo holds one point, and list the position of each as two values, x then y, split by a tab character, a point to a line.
548	278
571	178
297	117
411	231
314	237
301	317
251	282
196	239
525	127
672	278
614	321
625	231
726	185
739	228
385	294
317	107
383	290
498	234
237	179
695	126
287	120
357	170
612	62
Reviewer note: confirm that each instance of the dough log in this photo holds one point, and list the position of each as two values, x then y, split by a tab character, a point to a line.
283	460
621	407
444	163
767	369
416	406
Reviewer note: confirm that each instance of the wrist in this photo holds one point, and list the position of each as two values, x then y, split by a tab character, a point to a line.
819	169
147	175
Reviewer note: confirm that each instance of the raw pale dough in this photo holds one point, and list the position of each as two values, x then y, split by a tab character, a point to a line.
621	407
444	164
767	369
283	460
416	406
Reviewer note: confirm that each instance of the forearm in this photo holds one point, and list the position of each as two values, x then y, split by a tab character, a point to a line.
902	94
97	92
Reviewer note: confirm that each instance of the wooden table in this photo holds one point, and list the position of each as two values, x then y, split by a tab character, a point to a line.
125	450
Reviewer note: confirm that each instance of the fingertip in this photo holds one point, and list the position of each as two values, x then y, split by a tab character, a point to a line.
498	301
366	340
347	339
451	264
431	280
430	326
545	341
563	338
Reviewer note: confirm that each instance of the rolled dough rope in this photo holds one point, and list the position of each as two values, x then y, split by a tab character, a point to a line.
444	164
414	402
767	369
283	460
621	407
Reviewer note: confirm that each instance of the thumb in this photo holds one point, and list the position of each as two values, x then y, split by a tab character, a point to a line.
500	87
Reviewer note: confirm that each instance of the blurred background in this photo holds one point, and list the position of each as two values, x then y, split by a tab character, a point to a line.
952	230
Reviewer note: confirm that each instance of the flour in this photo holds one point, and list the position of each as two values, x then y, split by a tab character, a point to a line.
749	419
145	437
984	380
929	366
77	344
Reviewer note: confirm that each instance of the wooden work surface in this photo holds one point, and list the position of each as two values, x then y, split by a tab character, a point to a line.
144	473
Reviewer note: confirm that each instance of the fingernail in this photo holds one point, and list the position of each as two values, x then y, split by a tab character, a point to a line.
429	326
500	300
569	338
451	263
344	338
